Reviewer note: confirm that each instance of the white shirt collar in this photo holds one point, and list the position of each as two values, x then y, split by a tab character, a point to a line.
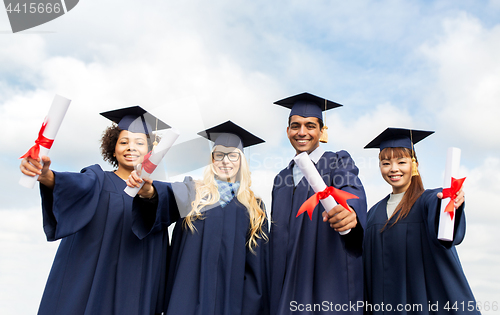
316	154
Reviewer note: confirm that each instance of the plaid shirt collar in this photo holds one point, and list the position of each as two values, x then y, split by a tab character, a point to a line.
227	191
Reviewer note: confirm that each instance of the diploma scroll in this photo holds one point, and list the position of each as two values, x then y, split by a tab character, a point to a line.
47	134
157	154
316	181
447	222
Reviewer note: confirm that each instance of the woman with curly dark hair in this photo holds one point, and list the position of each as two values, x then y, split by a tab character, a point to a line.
101	267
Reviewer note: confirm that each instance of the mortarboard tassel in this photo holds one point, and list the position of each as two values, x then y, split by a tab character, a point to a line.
155	143
324	134
414	166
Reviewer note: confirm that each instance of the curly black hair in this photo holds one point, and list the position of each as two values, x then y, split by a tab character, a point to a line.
108	144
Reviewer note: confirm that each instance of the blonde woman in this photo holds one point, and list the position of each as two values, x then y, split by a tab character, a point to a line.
217	264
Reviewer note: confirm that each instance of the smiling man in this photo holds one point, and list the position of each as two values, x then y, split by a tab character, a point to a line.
310	262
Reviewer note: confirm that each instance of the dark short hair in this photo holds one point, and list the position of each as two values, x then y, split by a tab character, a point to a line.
320	121
108	144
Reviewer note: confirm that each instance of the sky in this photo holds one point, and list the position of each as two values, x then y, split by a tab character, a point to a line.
430	65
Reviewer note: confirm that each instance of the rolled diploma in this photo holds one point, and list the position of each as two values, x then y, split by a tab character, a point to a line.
157	155
316	181
446	223
54	119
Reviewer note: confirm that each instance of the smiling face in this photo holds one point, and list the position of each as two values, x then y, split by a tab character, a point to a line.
130	150
397	172
227	168
304	133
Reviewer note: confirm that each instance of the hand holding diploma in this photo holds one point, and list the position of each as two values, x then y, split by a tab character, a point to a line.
341	217
457	201
44	142
151	161
38	167
453	190
145	185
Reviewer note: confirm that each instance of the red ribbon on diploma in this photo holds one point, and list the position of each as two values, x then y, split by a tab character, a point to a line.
456	185
147	165
340	197
34	151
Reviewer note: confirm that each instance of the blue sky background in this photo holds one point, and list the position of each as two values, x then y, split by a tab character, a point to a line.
416	64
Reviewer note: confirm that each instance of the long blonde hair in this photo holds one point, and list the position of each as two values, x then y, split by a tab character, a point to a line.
207	194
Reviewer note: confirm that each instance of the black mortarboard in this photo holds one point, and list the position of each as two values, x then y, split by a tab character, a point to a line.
398	138
230	134
307	105
135	119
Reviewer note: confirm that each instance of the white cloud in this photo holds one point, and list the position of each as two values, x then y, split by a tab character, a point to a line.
25	261
465	96
21	53
482	187
358	131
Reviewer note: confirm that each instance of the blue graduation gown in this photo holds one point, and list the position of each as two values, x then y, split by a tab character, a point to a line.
310	263
100	267
212	271
406	264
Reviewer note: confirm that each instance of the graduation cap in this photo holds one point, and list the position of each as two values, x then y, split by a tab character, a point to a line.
230	134
400	138
309	105
135	119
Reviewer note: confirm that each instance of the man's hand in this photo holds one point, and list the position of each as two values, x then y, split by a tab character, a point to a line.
341	219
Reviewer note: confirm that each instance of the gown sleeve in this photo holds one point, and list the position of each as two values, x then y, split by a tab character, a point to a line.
433	206
184	193
256	294
72	203
156	214
345	177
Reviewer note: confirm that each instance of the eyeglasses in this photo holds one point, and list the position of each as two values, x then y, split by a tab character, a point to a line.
232	156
